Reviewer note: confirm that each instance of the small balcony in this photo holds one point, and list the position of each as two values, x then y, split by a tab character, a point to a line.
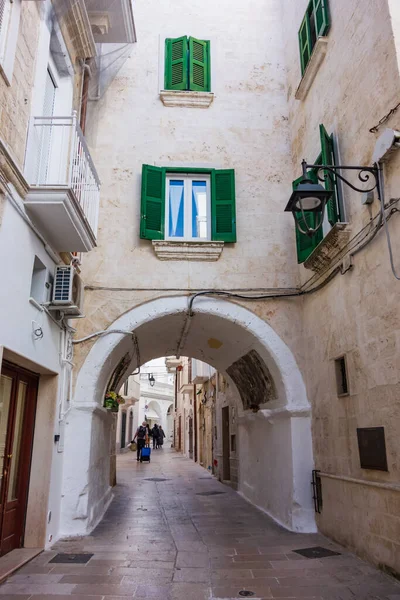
201	372
171	362
64	196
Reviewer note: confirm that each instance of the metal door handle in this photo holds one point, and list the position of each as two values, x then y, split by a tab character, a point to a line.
9	455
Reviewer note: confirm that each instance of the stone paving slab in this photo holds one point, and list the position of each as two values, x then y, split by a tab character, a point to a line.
160	540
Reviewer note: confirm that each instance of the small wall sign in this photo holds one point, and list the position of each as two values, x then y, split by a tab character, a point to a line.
372	448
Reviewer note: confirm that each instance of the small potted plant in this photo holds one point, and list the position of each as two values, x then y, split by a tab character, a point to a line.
112	401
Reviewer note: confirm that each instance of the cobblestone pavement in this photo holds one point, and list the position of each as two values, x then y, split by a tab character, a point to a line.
192	538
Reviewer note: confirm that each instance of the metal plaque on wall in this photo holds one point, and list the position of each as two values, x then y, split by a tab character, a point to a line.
372	448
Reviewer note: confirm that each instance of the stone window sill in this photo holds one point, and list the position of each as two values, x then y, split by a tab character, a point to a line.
330	248
317	57
200	251
186	99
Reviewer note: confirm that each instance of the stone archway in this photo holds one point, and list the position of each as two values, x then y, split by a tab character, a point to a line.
277	448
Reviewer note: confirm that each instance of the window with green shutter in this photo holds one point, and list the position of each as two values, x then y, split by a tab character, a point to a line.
176	63
223	205
315	24
304	243
328	158
188	204
153	203
334	209
187	64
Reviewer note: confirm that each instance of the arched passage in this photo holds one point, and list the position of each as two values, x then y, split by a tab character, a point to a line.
276	457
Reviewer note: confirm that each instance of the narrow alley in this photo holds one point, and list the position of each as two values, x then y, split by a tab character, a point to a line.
174	533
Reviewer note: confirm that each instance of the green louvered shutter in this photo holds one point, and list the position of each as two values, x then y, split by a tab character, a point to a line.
223	206
199	65
176	63
328	158
321	16
305	244
305	42
153	203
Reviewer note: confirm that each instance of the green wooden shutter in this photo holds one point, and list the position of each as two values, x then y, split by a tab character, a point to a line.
321	17
176	63
305	42
223	206
199	65
328	158
153	203
305	244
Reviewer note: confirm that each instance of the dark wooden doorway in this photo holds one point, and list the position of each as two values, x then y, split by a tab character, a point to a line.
180	433
195	426
190	437
18	397
123	429
226	463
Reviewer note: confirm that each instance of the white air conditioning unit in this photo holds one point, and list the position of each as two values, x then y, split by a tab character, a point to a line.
67	292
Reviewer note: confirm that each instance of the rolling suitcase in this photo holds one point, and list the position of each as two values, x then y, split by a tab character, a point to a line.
145	455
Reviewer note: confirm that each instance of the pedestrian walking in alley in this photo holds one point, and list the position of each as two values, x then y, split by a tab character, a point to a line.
154	433
161	436
140	435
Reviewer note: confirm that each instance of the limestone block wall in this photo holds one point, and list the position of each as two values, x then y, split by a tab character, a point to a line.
130	126
15	100
356	315
364	517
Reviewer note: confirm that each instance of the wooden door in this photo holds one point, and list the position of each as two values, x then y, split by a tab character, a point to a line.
18	395
180	433
195	426
123	429
190	437
226	465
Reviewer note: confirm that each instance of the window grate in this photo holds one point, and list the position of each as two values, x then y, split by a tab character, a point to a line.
342	385
316	552
77	559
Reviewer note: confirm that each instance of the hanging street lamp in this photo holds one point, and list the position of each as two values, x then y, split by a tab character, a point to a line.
151	379
311	198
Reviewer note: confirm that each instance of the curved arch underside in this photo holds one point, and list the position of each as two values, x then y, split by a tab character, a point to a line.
275	449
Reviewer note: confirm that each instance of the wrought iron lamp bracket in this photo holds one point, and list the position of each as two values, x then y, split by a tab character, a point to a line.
325	172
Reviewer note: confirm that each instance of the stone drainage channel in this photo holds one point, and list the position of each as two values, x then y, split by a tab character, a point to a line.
173	533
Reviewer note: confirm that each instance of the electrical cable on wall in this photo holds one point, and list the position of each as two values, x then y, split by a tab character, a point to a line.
353	248
103	333
391	112
389	243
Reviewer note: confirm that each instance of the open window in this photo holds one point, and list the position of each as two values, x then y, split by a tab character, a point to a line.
10	11
188	205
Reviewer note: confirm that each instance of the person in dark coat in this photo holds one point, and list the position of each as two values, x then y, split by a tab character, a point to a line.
161	436
154	432
140	434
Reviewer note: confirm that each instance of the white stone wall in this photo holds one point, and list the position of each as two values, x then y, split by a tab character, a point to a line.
130	126
18	318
